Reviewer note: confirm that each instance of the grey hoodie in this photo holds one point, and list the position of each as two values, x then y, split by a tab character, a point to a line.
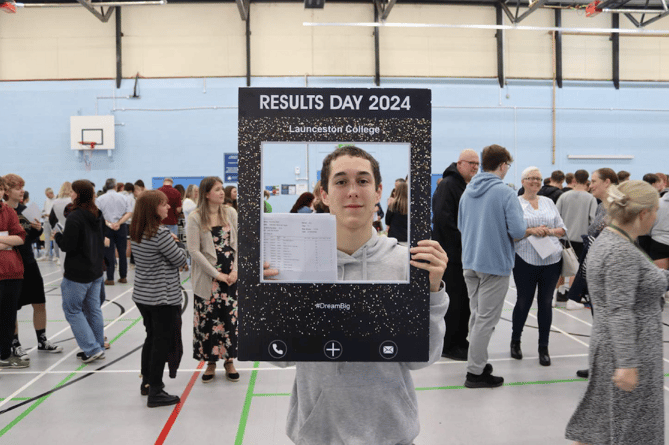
370	403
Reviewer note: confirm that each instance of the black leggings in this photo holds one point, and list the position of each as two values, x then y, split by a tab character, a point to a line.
159	322
9	300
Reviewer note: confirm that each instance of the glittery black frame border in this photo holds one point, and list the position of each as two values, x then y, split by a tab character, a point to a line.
286	311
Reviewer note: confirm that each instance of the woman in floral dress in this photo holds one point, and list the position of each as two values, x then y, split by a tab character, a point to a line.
212	244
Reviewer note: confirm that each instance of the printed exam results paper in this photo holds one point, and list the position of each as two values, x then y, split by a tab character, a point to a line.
302	246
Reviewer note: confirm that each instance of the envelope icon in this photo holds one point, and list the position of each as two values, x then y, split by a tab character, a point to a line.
388	349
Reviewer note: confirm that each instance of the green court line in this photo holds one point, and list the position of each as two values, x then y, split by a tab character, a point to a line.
21	416
247	405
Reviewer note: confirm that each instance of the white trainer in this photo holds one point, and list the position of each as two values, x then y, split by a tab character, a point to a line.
573	305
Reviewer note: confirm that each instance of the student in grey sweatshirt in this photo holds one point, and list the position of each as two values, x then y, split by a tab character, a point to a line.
371	402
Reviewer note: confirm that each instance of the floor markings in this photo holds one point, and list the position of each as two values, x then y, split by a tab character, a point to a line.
177	409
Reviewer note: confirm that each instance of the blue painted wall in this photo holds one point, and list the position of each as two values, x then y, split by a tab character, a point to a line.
182	127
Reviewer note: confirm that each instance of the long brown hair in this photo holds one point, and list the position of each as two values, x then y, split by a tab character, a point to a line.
145	218
304	200
228	194
401	203
85	196
206	185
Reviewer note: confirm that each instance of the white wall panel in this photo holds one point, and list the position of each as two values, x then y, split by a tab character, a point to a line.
439	52
209	40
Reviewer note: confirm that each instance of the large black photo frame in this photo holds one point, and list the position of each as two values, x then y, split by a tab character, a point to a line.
282	321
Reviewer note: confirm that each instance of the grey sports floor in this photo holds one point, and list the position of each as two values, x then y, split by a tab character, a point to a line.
59	400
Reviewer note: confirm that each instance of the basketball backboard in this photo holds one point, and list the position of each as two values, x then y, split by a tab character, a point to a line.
98	129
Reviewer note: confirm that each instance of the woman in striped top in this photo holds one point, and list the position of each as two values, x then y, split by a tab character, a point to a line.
531	271
157	292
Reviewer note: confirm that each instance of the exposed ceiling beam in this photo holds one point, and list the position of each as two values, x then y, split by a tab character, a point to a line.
102	16
243	6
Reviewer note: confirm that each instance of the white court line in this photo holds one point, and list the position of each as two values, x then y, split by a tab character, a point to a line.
48	370
57	279
585	322
555	327
454	362
50	273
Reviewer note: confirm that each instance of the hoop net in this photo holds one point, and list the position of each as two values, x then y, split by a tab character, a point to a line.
88	148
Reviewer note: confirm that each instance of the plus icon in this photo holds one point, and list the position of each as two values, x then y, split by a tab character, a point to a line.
333	349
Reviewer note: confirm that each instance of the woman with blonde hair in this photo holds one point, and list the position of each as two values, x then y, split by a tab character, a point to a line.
533	273
212	244
397	216
157	292
624	398
57	215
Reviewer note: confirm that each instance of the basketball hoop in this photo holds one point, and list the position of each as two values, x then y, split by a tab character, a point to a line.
87	152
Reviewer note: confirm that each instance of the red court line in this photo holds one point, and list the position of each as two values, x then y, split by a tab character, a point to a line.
177	408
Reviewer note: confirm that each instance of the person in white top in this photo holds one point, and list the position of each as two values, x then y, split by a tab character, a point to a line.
46	211
189	204
533	272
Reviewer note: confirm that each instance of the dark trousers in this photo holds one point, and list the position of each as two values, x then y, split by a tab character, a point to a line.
457	316
528	278
9	303
118	241
159	322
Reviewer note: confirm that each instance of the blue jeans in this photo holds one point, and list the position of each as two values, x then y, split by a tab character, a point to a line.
81	305
174	228
529	278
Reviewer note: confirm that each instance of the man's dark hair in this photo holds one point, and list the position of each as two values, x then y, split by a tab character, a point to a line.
547	181
623	176
128	187
110	184
581	176
557	176
493	156
605	173
140	183
651	178
355	152
568	178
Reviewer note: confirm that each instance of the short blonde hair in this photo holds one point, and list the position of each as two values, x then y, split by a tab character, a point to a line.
529	170
627	200
48	189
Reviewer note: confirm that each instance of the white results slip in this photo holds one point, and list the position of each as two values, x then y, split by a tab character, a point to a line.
302	246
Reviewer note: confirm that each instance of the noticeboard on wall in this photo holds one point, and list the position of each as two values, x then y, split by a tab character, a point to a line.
327	317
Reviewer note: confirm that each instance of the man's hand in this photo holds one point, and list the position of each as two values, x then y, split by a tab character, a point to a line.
36	225
434	260
267	272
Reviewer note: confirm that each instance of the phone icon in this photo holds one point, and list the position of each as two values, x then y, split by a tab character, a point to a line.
277	349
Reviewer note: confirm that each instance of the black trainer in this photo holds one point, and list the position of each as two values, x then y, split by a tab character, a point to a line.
583	373
158	397
484	380
455	353
516	352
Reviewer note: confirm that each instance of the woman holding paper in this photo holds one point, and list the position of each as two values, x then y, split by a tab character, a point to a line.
538	263
212	244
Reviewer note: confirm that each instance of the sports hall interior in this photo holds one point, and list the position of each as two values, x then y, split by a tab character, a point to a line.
547	80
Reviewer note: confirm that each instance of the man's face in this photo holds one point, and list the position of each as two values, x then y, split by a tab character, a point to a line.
15	193
50	195
352	195
138	191
468	166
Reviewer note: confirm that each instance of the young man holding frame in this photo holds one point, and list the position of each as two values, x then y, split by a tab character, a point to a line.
364	402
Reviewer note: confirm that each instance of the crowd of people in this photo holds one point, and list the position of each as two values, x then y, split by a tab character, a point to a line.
483	233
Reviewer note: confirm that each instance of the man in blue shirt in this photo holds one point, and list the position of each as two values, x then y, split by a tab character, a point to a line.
490	218
117	210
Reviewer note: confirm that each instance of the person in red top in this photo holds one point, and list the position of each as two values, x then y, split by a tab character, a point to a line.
174	200
11	278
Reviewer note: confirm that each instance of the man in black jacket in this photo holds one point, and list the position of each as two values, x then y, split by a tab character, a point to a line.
554	188
445	204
